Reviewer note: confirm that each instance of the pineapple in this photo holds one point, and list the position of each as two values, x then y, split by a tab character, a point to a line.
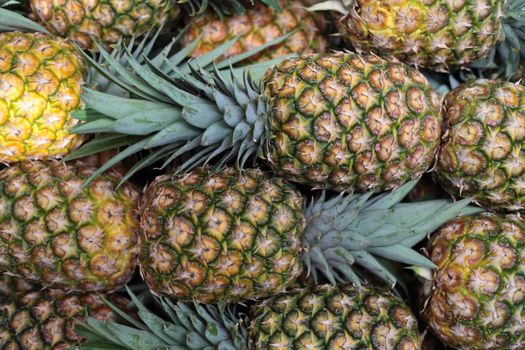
436	34
101	20
10	286
232	235
45	320
475	296
336	121
319	318
57	233
40	83
257	26
481	154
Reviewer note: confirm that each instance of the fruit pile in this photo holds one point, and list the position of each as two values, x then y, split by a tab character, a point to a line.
263	174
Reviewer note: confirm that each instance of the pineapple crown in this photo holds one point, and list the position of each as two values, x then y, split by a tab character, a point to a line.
178	106
195	328
511	50
363	229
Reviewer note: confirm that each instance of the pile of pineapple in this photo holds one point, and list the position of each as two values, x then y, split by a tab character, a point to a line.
262	174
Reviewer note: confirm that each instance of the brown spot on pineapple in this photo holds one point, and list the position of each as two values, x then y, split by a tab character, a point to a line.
51	330
347	113
463	306
312	73
395	105
502	256
311	102
35	233
508	96
71	187
195	202
358	140
468	252
467	134
488	112
386	149
103	266
364	96
150	224
296	127
205	249
336	155
365	163
450	278
394	175
43	257
484	281
161	259
326	128
377	122
471	162
332	90
80	210
242	236
63	246
497	145
111	213
495	314
167	198
309	152
358	323
191	273
179	232
398	74
409	133
25	208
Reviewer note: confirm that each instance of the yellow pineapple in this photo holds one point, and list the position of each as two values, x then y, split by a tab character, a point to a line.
40	84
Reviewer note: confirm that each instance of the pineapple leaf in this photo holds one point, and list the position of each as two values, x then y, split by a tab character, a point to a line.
188	328
361	228
11	21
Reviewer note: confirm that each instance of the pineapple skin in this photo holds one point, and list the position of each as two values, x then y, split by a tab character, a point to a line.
481	154
56	233
101	20
334	318
475	298
220	237
343	121
436	34
40	84
46	319
259	25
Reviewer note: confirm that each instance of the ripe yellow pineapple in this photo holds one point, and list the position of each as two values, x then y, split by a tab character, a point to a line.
482	148
45	320
101	20
40	83
58	233
236	235
475	296
255	27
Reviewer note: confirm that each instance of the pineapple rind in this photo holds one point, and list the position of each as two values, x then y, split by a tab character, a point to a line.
41	78
57	233
475	300
220	237
482	149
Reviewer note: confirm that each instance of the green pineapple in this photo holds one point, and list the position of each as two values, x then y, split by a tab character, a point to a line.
321	318
436	34
336	121
237	235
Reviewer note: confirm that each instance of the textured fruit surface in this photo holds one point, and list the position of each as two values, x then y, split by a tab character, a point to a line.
9	286
482	153
343	121
477	294
334	318
222	237
40	84
437	34
55	232
101	20
45	320
256	27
